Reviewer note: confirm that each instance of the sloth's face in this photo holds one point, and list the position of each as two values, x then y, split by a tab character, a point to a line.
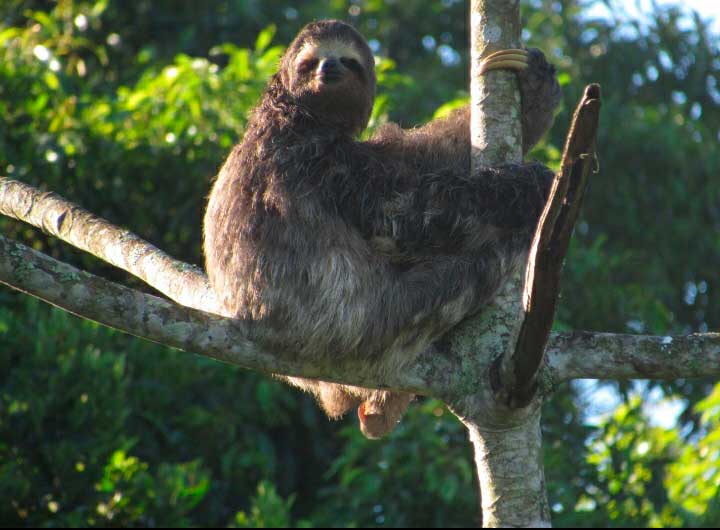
332	74
330	66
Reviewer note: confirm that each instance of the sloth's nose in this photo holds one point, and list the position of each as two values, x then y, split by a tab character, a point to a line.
330	68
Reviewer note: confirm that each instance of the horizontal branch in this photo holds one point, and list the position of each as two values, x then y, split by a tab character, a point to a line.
587	355
244	343
56	216
575	355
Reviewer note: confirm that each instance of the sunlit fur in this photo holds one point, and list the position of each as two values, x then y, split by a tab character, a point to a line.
363	250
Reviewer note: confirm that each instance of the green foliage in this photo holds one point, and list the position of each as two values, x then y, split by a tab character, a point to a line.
128	108
101	430
98	429
630	456
129	146
376	484
650	476
269	510
693	481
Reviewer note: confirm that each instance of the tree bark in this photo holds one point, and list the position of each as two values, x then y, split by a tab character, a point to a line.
495	98
513	493
588	355
182	282
507	442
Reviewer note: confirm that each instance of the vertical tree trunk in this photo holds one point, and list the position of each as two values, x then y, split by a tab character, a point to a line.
507	443
510	472
495	120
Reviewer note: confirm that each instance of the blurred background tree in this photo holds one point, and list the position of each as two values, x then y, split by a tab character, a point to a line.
129	108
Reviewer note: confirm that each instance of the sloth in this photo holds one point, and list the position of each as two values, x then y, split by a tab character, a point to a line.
366	250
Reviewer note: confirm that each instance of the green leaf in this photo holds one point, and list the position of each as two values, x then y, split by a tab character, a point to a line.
265	38
51	80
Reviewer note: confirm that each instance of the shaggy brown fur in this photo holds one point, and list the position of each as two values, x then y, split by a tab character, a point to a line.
364	249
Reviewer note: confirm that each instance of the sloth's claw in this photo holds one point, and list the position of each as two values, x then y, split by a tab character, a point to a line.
510	59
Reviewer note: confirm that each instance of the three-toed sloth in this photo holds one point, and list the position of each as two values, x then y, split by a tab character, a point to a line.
365	249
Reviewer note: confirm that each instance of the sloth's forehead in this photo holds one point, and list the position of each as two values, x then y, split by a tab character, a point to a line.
329	48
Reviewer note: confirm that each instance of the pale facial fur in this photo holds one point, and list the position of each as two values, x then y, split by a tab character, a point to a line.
326	49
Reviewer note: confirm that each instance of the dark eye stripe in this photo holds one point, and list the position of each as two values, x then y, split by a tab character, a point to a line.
307	65
353	65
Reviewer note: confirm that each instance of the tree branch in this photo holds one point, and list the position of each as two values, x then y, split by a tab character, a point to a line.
574	355
58	217
518	371
180	281
588	355
244	343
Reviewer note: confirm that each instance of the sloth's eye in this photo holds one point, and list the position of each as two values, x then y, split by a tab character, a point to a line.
352	64
307	65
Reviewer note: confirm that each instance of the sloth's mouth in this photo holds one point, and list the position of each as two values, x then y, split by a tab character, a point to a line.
328	78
